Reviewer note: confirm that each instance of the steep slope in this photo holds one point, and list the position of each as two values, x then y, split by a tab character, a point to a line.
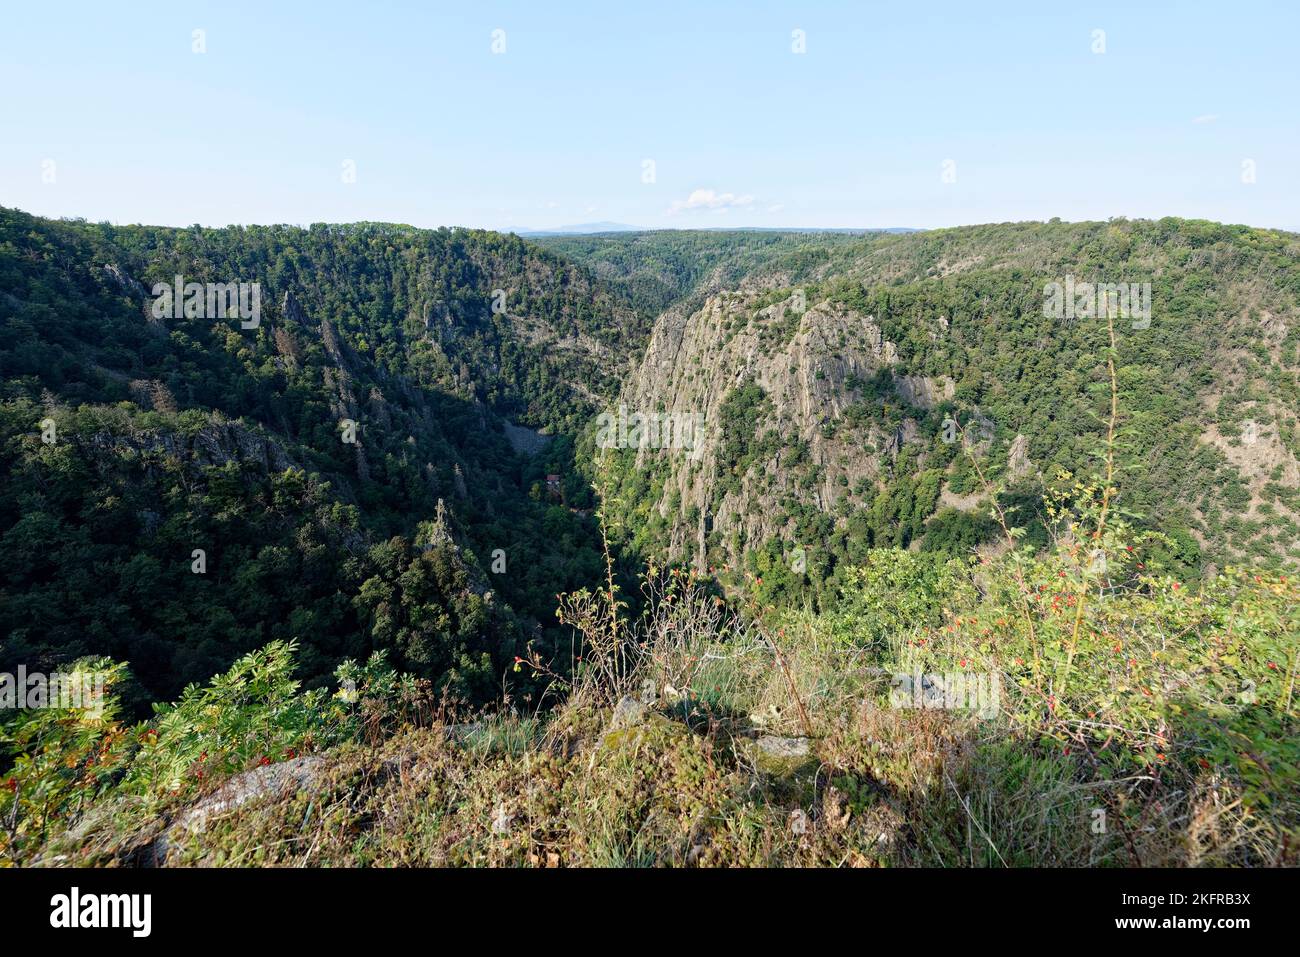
182	485
825	404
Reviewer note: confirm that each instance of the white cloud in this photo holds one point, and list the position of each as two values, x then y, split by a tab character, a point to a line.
708	199
1207	118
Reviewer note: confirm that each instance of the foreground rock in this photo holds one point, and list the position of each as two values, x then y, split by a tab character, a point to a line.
272	780
780	757
628	712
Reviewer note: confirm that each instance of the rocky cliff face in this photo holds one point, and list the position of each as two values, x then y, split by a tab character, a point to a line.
821	436
213	445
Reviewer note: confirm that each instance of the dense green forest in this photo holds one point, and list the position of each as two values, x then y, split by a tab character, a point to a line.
167	436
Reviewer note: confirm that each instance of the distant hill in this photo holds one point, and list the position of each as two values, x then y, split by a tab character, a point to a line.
580	229
591	229
852	230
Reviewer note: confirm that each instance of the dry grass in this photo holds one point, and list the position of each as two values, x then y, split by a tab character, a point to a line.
679	783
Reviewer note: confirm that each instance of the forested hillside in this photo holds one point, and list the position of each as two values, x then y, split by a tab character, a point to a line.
841	398
131	441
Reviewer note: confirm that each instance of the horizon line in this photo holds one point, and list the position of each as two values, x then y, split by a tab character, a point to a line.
577	229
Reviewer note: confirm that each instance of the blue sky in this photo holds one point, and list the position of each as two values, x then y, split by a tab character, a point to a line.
110	115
